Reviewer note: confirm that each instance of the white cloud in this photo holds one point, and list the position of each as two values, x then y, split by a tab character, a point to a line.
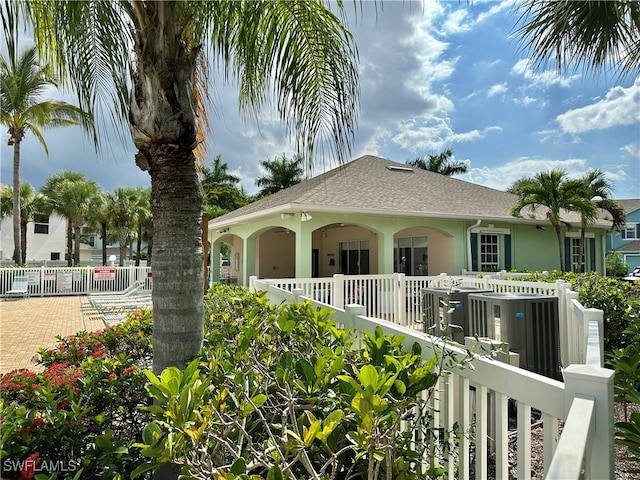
502	176
541	79
457	22
433	133
497	89
632	149
525	101
620	106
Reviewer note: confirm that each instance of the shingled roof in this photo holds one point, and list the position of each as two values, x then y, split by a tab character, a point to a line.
629	204
377	186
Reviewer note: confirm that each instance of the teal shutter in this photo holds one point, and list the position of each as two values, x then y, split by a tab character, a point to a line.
638	230
474	252
592	254
507	252
567	254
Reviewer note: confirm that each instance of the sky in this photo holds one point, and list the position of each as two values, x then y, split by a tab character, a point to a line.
433	76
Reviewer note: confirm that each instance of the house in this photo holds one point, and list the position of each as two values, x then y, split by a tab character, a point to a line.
627	241
46	238
375	216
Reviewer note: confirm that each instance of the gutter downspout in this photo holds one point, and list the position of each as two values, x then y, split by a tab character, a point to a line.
469	259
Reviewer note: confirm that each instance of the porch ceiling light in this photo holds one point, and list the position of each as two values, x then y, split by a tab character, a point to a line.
305	217
223	230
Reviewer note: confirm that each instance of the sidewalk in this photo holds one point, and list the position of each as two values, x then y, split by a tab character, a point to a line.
27	325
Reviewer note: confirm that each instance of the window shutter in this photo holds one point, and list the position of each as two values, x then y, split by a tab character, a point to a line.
507	252
567	254
623	233
474	252
638	230
592	254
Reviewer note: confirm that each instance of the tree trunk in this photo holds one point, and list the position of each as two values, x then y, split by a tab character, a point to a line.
23	241
69	244
122	240
103	233
76	244
17	243
139	244
176	205
560	247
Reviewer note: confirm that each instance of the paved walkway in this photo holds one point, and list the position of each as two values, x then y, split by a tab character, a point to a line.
27	325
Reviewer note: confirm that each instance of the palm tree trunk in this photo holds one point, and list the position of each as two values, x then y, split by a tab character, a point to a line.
76	244
122	239
69	244
103	234
560	247
17	243
176	205
139	244
23	241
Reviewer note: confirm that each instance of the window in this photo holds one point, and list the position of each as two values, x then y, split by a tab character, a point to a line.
41	224
354	257
630	232
92	240
410	255
576	253
55	255
489	253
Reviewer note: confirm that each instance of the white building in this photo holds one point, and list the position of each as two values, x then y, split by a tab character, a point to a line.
46	239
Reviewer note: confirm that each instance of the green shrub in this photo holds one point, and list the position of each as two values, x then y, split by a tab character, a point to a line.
615	266
80	416
282	392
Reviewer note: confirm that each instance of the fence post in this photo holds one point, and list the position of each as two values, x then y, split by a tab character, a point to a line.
338	290
595	382
594	352
400	299
298	293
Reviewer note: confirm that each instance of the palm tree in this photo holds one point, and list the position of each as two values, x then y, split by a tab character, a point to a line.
280	173
596	193
596	35
123	203
442	163
144	58
552	191
221	195
71	195
142	217
32	204
24	84
98	219
218	174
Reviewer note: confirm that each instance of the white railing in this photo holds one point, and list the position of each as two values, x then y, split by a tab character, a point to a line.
50	281
477	398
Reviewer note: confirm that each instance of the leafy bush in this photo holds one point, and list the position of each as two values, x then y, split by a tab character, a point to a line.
619	301
282	392
615	266
81	414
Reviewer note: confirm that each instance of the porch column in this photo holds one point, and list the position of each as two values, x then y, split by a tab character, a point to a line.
304	240
214	262
248	260
385	252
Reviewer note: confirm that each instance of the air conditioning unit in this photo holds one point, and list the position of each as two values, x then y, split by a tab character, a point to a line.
435	304
529	323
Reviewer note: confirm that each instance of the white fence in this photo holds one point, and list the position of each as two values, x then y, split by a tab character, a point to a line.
477	398
47	281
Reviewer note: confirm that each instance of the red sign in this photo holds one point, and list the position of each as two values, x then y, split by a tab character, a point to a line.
104	273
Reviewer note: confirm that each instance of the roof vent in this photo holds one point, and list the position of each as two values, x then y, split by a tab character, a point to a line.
398	168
